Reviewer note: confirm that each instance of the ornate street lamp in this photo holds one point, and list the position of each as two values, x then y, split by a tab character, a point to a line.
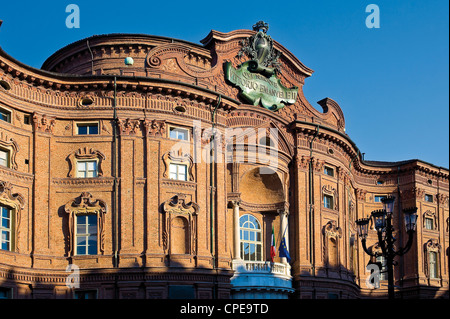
382	220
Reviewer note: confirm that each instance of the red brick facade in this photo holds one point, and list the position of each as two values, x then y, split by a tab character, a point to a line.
155	234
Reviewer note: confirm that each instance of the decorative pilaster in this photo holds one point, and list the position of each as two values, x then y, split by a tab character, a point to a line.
236	237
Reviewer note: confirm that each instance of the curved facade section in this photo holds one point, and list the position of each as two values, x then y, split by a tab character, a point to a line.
137	179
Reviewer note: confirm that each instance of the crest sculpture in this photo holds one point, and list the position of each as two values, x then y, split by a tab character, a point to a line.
257	77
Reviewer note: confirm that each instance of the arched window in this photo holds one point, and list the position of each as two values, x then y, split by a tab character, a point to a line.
250	236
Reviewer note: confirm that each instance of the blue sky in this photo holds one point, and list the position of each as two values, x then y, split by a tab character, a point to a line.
391	83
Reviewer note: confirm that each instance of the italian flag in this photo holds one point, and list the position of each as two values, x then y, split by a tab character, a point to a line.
272	246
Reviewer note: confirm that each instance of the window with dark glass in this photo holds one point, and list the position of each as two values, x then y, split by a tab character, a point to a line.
87	129
86	234
85	294
328	171
428	198
5	115
6	229
378	198
5	293
328	201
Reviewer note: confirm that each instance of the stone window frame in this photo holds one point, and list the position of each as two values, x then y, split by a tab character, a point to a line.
432	245
330	191
16	203
430	215
11	147
330	232
176	207
85	154
85	205
178	158
86	123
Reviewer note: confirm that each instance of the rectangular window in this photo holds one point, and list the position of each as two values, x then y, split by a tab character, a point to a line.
178	172
433	265
87	129
429	223
4	158
181	292
87	169
383	270
5	293
328	201
5	115
5	228
378	198
86	235
85	294
179	134
328	171
428	198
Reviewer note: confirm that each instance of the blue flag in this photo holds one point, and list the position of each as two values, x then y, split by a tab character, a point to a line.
283	250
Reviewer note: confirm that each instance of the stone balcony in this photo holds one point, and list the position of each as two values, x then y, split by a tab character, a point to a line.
261	279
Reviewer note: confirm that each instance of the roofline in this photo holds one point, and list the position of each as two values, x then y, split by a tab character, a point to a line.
370	163
116	35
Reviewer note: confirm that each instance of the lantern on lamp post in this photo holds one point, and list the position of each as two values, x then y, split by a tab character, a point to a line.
382	220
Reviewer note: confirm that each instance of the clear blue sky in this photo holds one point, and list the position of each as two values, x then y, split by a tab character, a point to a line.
392	82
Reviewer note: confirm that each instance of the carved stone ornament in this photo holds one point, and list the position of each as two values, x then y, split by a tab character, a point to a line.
84	204
180	158
259	47
177	208
155	128
127	127
10	145
331	233
42	123
331	230
257	78
14	201
85	154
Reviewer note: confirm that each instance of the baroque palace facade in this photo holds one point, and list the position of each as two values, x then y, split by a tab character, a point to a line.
135	166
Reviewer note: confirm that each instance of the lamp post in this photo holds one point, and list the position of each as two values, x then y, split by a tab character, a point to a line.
382	220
